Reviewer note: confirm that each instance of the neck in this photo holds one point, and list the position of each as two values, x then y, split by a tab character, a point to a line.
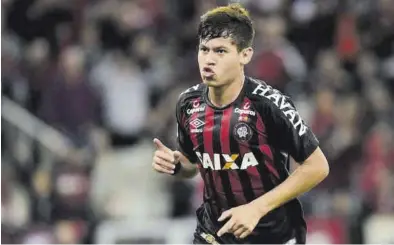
222	96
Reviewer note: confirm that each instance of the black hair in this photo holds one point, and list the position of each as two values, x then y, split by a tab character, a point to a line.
232	21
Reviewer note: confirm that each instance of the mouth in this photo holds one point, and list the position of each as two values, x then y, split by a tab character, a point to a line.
208	72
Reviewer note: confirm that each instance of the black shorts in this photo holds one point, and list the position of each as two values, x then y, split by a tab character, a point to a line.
206	230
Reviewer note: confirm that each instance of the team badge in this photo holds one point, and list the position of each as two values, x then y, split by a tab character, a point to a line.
242	132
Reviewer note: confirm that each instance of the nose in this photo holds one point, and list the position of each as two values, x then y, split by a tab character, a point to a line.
210	60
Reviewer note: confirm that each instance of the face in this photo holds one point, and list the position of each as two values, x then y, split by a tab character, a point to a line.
73	62
220	62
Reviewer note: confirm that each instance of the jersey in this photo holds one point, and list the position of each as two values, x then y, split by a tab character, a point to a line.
242	150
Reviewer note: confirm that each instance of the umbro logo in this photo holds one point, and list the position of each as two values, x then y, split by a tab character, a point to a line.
196	123
195	126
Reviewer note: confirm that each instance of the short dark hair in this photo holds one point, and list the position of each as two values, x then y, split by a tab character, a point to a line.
228	21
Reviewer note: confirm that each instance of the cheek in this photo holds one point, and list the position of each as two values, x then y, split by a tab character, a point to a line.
201	58
231	66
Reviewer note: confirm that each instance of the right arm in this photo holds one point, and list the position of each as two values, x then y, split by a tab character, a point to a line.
180	162
172	162
187	169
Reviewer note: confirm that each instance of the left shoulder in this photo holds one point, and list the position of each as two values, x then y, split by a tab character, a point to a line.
274	106
264	95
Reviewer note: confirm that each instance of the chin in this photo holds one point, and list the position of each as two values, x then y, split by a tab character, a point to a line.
211	82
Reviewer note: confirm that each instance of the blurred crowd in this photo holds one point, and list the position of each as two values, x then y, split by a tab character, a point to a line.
107	74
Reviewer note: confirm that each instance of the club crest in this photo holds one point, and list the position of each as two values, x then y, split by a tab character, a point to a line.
242	132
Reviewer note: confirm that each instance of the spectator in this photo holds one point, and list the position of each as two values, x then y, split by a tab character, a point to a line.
125	98
277	61
70	104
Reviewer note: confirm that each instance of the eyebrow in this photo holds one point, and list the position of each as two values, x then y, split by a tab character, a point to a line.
218	47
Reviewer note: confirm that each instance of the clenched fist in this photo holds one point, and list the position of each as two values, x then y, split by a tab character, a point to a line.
165	160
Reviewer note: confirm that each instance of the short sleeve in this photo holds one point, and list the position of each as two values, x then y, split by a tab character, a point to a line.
286	130
184	144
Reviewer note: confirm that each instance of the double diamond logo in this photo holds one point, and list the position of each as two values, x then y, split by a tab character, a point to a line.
196	123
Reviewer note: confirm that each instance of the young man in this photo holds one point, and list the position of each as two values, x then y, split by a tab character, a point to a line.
239	133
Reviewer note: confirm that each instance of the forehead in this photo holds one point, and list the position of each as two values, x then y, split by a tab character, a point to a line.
219	42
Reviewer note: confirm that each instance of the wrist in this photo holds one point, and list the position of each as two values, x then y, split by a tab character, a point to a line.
261	206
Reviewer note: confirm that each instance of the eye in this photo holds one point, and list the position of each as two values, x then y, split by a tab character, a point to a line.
220	51
203	49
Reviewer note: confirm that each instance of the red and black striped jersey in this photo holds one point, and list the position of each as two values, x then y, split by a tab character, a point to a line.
242	150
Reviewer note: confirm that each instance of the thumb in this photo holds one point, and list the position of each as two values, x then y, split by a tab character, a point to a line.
159	145
177	156
225	215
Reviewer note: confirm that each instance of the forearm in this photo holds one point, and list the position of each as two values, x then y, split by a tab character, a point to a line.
187	169
304	178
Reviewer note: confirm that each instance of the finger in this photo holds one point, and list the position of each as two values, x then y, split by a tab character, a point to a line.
244	234
235	227
160	145
238	232
226	228
165	156
163	163
160	169
226	214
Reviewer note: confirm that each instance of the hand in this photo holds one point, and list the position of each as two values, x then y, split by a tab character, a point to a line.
243	220
164	159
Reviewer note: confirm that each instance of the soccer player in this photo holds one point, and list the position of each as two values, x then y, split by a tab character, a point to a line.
239	133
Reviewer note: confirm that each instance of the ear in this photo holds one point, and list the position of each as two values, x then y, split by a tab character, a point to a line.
246	55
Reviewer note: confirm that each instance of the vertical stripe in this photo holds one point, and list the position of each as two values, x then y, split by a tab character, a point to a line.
258	138
265	148
220	177
242	175
254	176
196	144
197	140
225	140
269	161
212	175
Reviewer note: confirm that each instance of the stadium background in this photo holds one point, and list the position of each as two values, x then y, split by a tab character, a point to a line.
87	84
